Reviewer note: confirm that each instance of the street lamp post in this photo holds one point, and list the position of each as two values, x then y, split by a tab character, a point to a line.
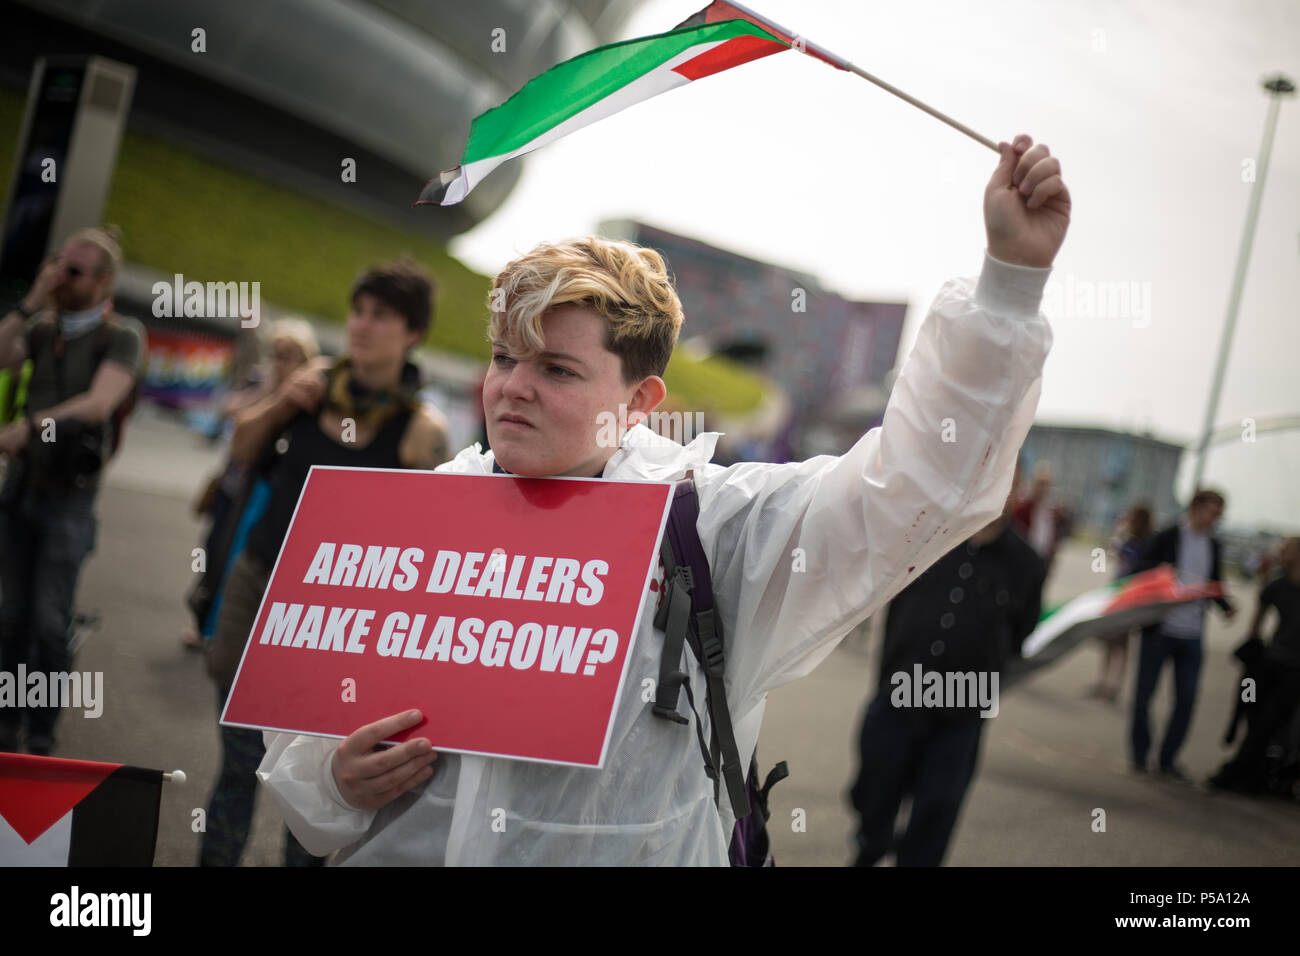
1278	87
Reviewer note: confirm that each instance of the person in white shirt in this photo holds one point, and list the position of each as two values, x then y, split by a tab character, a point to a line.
585	326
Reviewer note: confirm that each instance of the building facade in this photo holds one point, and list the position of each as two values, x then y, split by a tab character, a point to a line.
288	89
816	345
1098	473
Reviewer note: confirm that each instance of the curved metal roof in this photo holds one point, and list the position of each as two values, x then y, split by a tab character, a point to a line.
400	78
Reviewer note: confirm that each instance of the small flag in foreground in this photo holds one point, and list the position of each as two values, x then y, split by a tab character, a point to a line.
56	812
1131	602
603	81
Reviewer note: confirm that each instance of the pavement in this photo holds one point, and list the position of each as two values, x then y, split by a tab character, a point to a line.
1050	760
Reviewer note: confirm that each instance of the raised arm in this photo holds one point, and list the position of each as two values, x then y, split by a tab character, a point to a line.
48	278
802	552
256	425
111	384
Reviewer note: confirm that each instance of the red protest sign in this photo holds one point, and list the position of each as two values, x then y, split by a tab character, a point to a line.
502	608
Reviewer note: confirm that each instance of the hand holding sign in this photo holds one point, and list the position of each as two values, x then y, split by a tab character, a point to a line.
370	776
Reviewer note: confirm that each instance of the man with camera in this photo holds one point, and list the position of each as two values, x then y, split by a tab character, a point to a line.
85	365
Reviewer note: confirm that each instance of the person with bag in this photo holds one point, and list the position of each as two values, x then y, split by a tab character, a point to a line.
86	368
798	553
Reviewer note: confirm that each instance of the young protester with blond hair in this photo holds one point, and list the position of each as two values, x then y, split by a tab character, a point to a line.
583	327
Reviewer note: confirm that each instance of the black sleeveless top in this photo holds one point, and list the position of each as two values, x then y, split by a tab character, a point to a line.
308	446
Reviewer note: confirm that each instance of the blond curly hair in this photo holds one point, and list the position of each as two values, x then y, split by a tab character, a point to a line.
627	284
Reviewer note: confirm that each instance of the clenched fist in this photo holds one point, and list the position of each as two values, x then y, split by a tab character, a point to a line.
1026	205
305	387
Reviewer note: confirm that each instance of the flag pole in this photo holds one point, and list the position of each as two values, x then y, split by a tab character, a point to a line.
913	100
960	127
1277	87
804	45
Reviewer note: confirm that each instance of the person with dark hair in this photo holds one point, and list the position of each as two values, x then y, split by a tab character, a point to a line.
405	286
1132	535
360	411
86	362
1190	546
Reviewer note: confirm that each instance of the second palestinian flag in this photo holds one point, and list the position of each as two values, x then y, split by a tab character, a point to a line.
56	812
1135	601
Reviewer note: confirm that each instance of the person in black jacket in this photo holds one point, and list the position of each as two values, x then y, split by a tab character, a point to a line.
965	617
1276	669
1190	546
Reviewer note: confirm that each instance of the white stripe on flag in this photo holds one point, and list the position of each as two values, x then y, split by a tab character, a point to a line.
659	80
51	848
1083	608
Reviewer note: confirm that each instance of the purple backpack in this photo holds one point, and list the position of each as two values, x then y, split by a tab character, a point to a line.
686	616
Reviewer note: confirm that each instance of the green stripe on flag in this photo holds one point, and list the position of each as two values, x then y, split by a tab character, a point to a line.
572	86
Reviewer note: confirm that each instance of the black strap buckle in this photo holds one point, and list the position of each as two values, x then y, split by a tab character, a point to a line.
714	655
659	710
683	574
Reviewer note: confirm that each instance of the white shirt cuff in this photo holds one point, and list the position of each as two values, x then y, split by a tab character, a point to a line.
1011	289
331	787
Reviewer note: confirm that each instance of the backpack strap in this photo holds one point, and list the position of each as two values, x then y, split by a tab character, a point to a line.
687	615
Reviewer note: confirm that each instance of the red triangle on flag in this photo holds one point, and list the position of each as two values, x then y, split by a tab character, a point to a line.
733	52
36	792
1160	585
720	10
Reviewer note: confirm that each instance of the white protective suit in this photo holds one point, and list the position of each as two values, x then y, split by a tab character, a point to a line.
867	522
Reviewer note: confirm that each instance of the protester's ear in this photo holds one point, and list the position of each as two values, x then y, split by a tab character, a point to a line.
646	397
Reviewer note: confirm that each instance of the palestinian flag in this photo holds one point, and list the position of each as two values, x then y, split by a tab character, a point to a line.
603	81
1131	602
56	812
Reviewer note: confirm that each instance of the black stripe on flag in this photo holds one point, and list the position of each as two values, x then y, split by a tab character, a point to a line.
116	824
697	19
435	189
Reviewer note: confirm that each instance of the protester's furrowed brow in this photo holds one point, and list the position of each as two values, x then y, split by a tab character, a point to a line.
562	357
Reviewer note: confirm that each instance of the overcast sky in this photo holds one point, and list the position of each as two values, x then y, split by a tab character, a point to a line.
1155	110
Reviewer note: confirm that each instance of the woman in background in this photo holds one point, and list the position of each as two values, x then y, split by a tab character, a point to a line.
1132	534
293	344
